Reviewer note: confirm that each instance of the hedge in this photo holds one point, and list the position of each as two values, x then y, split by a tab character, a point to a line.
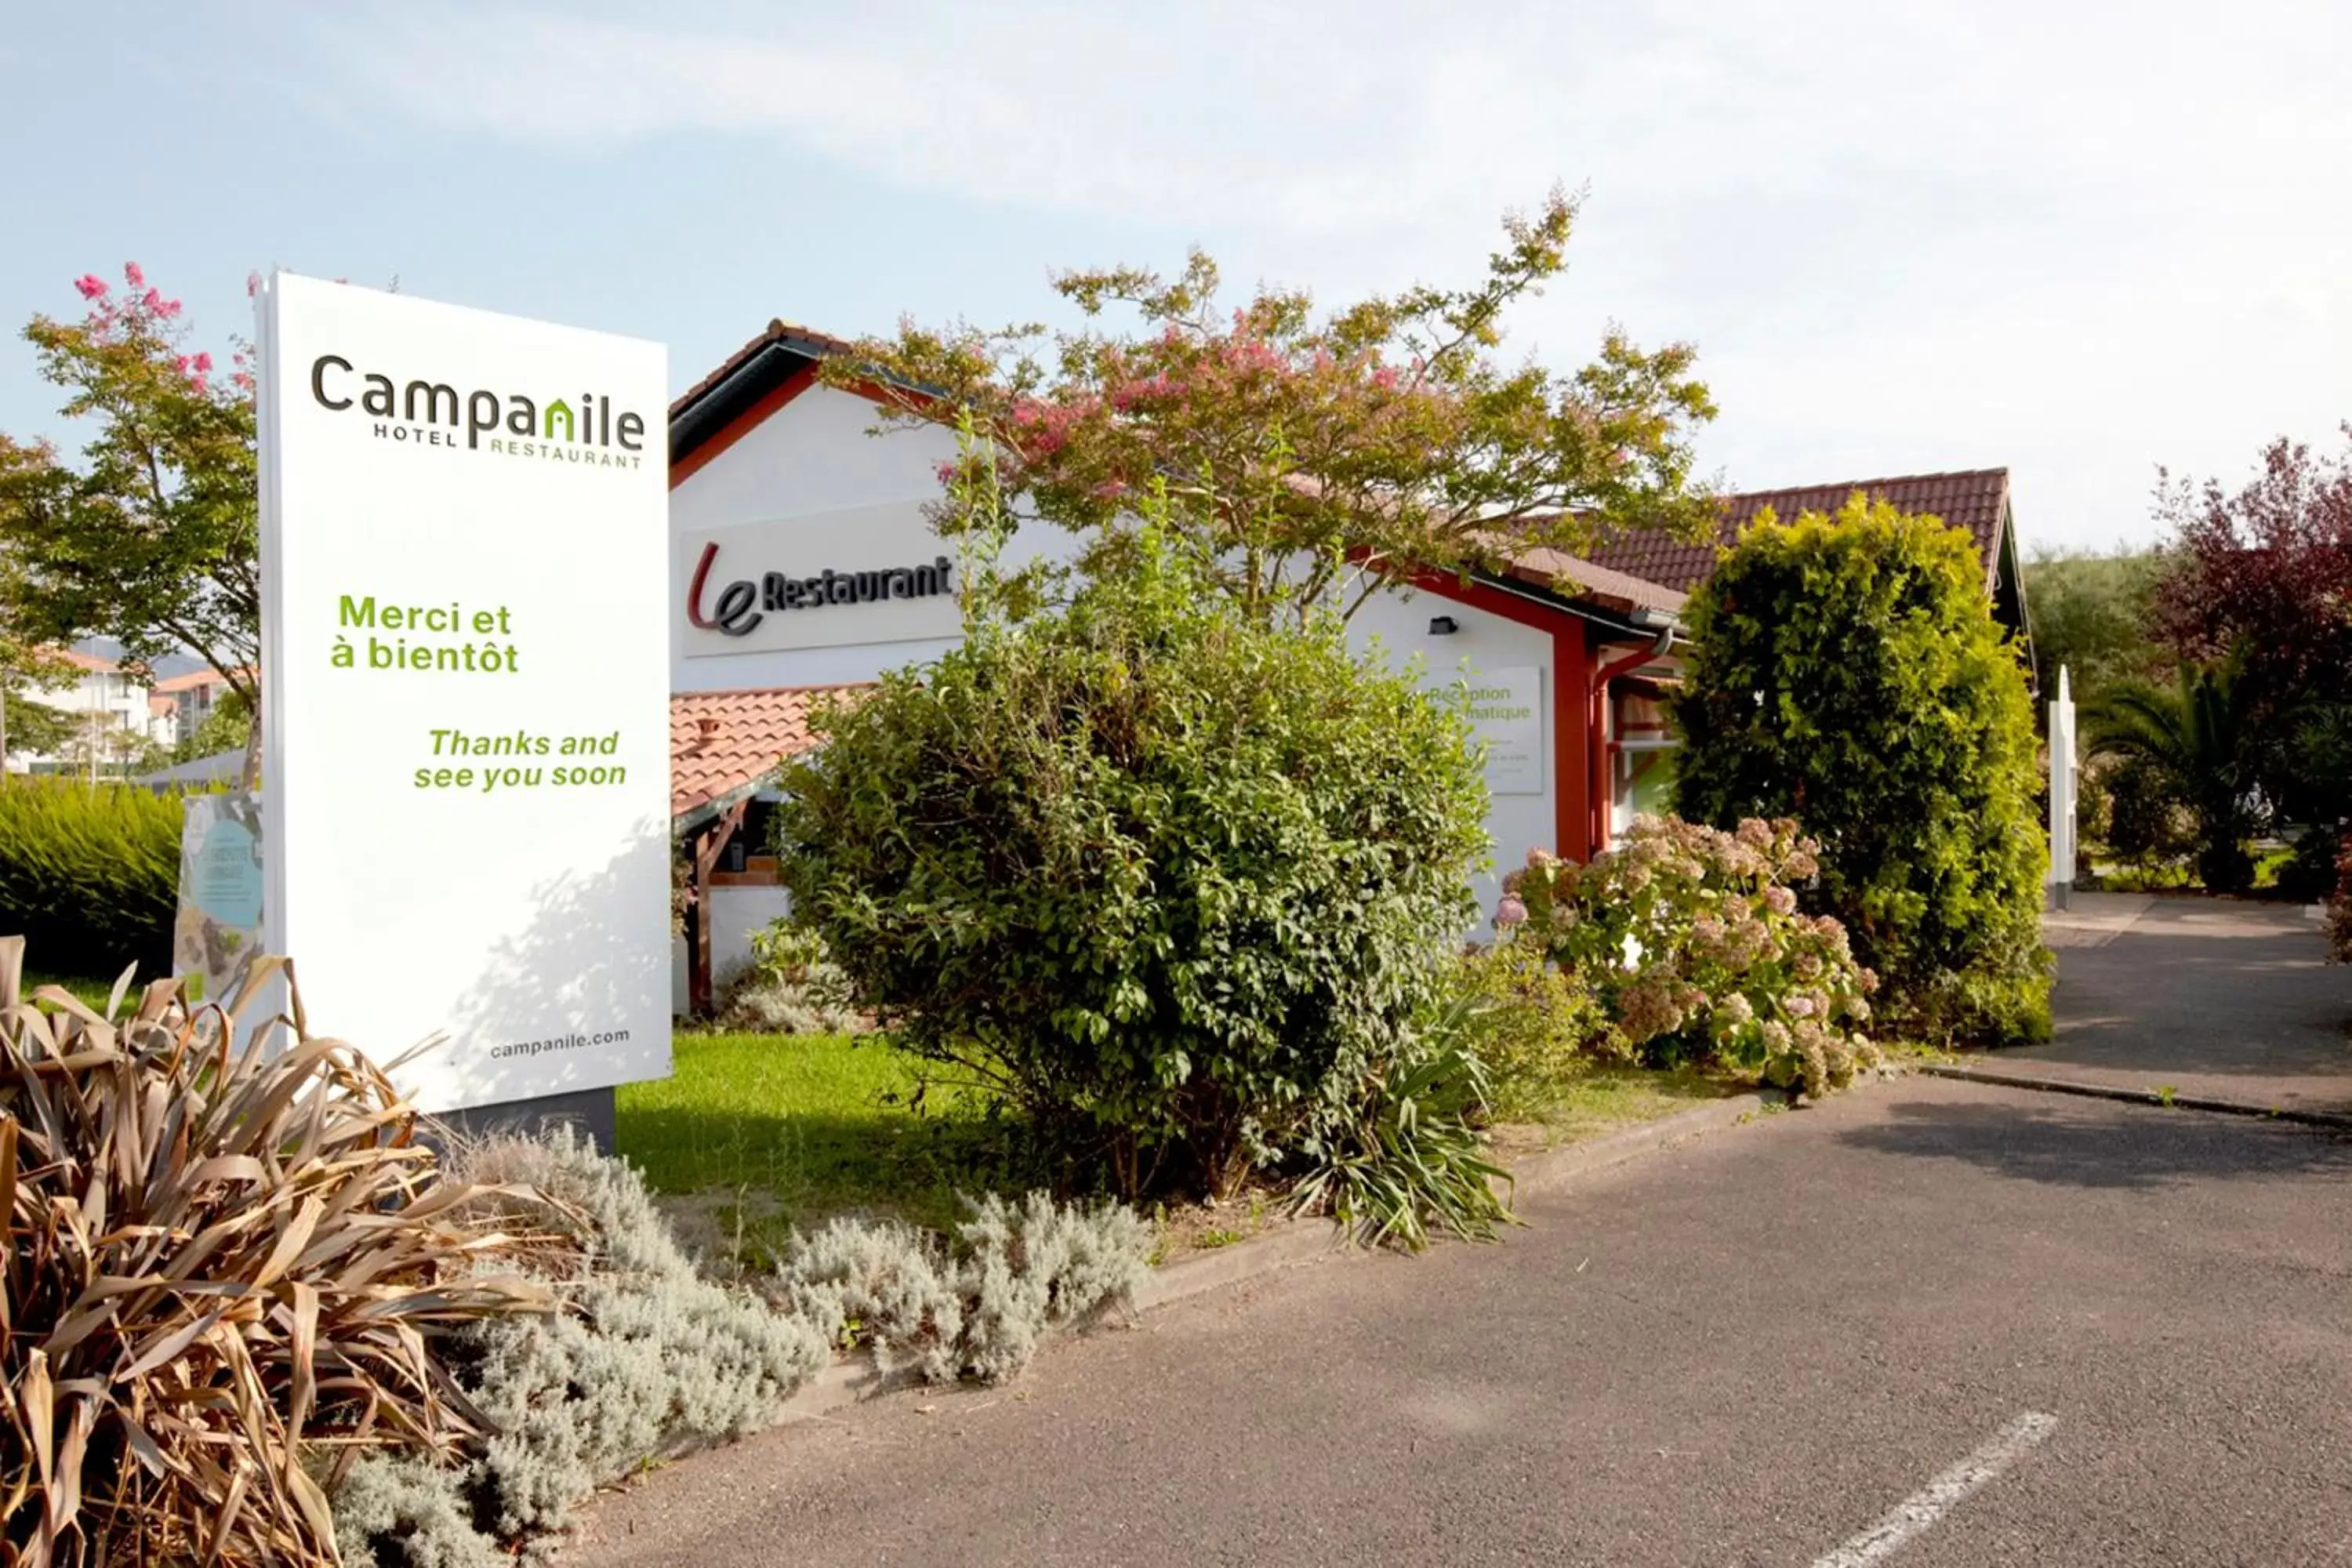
89	874
1848	672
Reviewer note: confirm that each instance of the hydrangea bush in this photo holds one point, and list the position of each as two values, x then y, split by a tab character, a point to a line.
1690	938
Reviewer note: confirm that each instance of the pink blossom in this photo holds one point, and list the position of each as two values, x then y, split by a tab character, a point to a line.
244	380
1508	913
132	275
252	284
181	365
1781	901
204	361
92	285
200	383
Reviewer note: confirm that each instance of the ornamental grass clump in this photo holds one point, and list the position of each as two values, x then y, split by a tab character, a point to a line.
225	1273
1691	939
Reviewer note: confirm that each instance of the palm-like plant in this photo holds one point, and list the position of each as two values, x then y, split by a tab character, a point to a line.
2204	737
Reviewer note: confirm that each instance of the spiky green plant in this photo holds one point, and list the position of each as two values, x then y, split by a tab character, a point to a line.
2203	737
1404	1157
222	1272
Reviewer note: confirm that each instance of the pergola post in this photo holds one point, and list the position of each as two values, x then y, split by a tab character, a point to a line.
708	847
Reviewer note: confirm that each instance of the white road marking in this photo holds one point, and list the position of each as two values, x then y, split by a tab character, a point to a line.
1931	1502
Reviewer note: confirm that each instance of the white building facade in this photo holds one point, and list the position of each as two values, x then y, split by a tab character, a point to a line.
801	557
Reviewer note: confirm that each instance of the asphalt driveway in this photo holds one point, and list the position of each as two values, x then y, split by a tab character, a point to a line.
2129	1328
2221	998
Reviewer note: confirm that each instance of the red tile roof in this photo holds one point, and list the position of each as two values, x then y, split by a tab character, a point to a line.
722	743
194	680
1582	579
1975	498
778	331
81	660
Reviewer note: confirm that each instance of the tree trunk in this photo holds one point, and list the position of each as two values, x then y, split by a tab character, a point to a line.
249	776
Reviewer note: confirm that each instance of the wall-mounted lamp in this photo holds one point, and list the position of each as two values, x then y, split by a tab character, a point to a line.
1441	626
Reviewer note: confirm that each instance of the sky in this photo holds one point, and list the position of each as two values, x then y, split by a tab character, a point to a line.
2079	240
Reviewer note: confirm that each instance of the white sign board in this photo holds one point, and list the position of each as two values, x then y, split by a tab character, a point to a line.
866	574
464	688
1506	713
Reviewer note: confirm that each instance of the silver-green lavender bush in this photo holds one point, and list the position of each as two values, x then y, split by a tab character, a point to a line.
792	986
651	1359
975	1305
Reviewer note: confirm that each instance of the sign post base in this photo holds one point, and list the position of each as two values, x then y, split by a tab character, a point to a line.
592	1111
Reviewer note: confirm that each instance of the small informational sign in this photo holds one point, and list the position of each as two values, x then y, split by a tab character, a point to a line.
218	929
1506	713
465	725
866	574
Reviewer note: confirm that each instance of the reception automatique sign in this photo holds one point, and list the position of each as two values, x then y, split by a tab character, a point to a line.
464	694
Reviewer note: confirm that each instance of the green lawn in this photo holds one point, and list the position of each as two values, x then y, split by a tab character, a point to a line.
773	1131
89	989
1606	1097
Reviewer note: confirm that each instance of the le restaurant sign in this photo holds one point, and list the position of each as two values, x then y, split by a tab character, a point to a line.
868	574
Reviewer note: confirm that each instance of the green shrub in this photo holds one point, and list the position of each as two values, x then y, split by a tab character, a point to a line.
1534	1024
2203	735
1177	882
1691	941
2146	825
2308	874
90	875
1847	671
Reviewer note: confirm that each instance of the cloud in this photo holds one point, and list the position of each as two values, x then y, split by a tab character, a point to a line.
1081	109
1957	226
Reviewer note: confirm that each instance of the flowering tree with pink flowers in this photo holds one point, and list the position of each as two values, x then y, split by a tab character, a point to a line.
150	535
1308	459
